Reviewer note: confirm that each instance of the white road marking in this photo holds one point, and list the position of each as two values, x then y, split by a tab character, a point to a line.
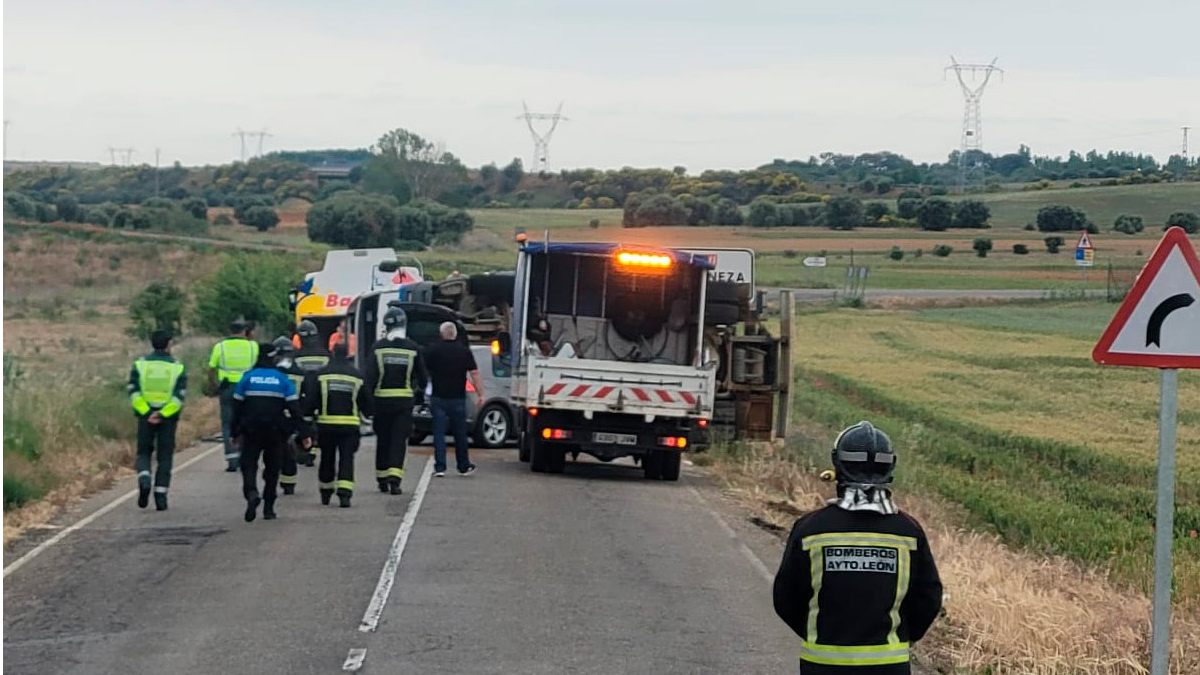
755	562
83	522
387	577
354	660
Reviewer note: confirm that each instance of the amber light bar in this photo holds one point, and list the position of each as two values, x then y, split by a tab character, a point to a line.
647	260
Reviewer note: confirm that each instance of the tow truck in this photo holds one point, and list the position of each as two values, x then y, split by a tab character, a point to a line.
639	352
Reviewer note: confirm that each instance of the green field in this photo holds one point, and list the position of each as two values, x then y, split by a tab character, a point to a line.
1001	410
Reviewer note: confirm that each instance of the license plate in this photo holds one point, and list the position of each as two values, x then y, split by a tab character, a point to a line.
614	439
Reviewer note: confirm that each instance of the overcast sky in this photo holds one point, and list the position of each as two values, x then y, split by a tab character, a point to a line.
694	83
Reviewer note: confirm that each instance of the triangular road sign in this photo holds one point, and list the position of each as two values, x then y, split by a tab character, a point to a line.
1158	324
1084	240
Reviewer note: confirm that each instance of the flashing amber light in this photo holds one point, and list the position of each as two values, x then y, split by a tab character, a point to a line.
495	348
655	261
533	412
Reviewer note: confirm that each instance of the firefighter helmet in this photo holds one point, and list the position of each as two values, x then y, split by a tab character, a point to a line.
863	455
395	318
307	329
282	345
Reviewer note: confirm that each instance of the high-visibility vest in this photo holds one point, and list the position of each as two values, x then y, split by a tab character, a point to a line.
341	392
156	387
232	357
389	359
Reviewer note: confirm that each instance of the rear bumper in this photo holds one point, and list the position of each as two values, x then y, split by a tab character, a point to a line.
610	436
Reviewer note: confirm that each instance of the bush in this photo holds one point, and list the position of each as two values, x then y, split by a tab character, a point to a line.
20	205
594	223
158	306
843	213
660	210
68	207
790	253
159	203
942	250
972	214
196	207
251	286
1128	224
1020	249
261	218
243	204
605	203
1061	218
896	253
1190	222
935	214
223	219
875	212
1053	244
727	212
763	213
982	245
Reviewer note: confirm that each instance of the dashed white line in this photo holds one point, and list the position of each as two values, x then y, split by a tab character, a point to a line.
755	562
83	522
387	577
354	660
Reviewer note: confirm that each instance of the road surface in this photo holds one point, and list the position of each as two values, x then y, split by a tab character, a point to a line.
594	571
827	294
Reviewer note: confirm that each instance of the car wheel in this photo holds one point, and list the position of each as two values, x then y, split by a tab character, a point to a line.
492	427
417	439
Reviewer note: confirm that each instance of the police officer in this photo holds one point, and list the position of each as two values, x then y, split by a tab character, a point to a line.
286	364
395	372
266	414
230	358
858	582
157	386
310	357
334	396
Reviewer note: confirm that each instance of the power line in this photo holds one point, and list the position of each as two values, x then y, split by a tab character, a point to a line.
126	155
242	135
972	125
541	141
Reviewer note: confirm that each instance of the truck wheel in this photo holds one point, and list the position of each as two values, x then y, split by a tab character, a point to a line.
668	465
537	455
523	446
651	464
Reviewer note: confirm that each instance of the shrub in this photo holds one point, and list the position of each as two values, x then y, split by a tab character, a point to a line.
790	253
243	204
223	219
251	286
605	203
68	207
158	306
875	212
261	218
935	214
1029	227
896	253
594	223
660	210
1020	249
1190	222
1128	224
1053	244
982	245
727	212
196	207
843	213
972	214
159	203
942	250
1061	218
20	205
763	213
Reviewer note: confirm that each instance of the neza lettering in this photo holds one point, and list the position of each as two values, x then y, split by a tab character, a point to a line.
725	275
881	559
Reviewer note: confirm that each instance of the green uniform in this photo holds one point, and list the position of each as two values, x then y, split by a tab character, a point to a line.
157	383
231	357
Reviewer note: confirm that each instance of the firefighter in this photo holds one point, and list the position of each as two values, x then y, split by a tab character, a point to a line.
230	358
266	414
157	385
334	396
294	448
858	582
311	357
395	373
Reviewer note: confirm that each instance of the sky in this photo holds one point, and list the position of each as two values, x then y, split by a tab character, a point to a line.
699	84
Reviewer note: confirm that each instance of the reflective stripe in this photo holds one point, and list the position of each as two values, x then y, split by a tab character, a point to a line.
325	486
262	393
140	406
345	485
382	473
160	490
395	473
344	420
858	539
403	358
854	655
235	357
143	473
816	573
285	479
903	572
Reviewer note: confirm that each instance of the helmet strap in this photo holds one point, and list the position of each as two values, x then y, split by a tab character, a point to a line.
396	333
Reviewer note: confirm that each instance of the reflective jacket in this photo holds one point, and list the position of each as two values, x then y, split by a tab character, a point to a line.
311	357
265	399
859	588
396	370
335	395
157	382
231	357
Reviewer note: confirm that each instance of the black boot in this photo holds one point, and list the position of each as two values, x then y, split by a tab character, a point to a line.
308	459
395	487
289	488
252	503
232	467
344	500
143	496
383	485
326	495
160	501
269	510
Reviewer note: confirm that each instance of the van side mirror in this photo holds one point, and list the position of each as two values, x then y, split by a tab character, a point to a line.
389	265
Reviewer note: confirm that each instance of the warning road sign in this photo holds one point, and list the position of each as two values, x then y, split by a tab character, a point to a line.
1085	257
1084	240
1158	324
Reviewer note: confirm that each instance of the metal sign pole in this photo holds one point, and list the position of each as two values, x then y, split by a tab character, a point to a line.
1164	525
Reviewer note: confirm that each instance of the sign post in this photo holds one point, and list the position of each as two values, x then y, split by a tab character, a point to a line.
1158	326
1085	256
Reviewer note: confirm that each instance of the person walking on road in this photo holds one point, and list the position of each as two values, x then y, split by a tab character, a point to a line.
311	356
450	363
294	447
858	582
265	415
157	386
335	396
395	373
230	358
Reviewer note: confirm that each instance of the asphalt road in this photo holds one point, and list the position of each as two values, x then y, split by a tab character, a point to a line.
594	571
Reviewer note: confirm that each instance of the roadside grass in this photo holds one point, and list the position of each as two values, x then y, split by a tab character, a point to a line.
1153	202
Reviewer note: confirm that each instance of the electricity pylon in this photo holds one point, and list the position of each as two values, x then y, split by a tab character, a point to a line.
541	141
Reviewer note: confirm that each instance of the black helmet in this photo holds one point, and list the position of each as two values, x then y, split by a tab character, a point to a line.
863	455
307	329
282	345
395	318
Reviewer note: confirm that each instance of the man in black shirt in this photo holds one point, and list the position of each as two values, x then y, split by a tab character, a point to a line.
450	363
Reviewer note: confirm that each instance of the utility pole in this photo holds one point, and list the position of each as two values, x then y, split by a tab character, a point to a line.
1186	162
156	153
112	155
126	155
242	136
972	125
261	135
541	141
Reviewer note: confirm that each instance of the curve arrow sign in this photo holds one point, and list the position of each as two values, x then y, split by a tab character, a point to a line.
1160	314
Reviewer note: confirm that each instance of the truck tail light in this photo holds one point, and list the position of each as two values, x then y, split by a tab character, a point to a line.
470	387
533	412
673	441
702	423
556	434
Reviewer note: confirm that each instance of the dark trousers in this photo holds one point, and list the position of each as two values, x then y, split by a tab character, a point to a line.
267	443
337	458
287	467
227	403
393	425
452	413
153	438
